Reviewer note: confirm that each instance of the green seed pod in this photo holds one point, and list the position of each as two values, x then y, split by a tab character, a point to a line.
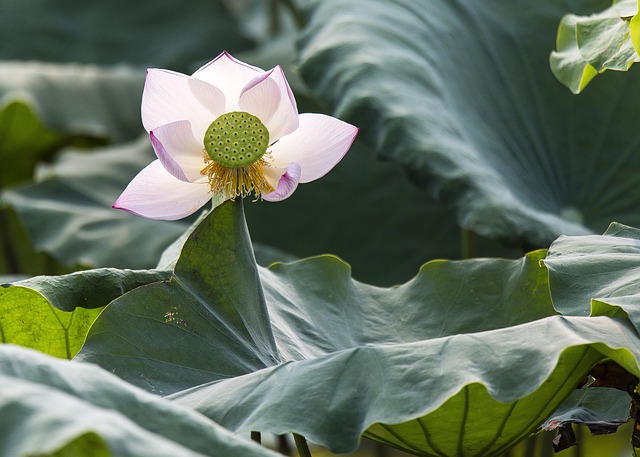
236	139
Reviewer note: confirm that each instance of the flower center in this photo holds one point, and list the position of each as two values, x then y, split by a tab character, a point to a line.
236	139
234	146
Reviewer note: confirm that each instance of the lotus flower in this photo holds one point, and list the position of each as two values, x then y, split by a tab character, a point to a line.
228	131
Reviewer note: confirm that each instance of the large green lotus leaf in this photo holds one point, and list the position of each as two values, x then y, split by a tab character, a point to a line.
28	320
602	409
77	100
356	192
54	313
461	94
68	212
45	108
163	33
424	366
212	300
587	45
50	407
468	394
265	254
597	274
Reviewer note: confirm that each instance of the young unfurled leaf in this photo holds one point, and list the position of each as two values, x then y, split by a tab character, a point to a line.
588	45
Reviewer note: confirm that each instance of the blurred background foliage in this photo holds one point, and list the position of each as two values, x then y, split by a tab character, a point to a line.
71	77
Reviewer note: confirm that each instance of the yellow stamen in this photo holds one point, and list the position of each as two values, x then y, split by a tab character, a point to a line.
235	182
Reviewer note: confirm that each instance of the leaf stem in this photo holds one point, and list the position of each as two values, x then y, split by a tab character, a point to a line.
530	445
579	441
12	265
547	444
283	445
467	244
380	450
301	445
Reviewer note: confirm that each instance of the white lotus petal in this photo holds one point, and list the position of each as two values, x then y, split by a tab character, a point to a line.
269	97
229	75
179	152
318	144
156	194
176	111
287	182
169	96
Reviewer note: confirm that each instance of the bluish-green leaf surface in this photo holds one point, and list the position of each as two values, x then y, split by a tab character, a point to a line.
467	358
54	313
374	201
213	300
50	407
366	211
161	33
567	62
88	100
602	409
68	213
460	93
588	45
45	107
597	275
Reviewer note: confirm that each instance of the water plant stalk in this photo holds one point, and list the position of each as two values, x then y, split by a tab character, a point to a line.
301	445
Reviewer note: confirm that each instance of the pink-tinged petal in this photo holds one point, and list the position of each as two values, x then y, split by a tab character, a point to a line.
269	97
169	96
287	182
229	75
179	152
317	145
155	194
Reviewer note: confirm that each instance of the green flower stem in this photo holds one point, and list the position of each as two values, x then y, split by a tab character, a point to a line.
530	446
546	444
6	245
579	441
467	244
283	446
301	445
